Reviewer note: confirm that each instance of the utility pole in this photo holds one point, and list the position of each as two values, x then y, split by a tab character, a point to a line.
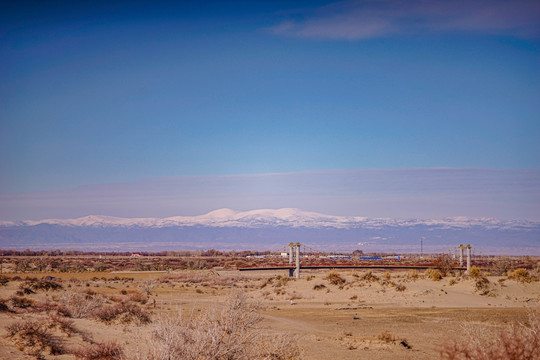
422	247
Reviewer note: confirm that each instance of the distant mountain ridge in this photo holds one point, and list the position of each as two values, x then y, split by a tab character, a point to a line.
271	229
289	217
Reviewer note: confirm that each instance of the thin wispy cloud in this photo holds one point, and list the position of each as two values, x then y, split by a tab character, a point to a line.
356	20
401	193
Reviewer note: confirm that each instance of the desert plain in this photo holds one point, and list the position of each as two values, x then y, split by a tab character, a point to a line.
325	314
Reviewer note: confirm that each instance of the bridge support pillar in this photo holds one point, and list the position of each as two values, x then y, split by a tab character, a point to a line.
468	247
291	272
298	260
461	254
291	255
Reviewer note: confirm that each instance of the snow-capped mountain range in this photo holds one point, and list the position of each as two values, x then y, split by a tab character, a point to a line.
271	229
286	217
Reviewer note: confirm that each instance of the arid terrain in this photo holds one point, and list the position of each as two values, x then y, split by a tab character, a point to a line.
326	314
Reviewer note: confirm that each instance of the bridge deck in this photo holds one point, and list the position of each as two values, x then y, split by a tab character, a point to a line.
341	266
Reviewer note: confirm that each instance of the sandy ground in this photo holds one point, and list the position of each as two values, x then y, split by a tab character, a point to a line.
341	321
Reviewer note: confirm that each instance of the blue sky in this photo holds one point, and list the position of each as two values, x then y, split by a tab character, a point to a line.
116	92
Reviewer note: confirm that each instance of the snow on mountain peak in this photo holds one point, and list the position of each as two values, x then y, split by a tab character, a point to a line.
290	217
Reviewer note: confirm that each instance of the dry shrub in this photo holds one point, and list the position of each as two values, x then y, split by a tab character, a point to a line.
21	302
233	332
319	287
4	280
125	312
444	264
412	274
102	351
481	342
433	274
4	306
67	326
475	272
281	280
148	285
400	287
34	338
139	297
335	278
24	290
80	305
386	336
521	275
31	285
369	276
483	286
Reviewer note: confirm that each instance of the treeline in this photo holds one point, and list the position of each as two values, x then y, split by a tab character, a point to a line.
180	253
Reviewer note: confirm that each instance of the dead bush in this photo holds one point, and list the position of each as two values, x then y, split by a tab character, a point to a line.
400	287
125	312
475	272
369	276
386	336
4	306
4	280
139	297
521	275
80	305
67	326
433	274
319	287
147	286
444	264
232	332
34	338
335	278
102	351
281	280
412	274
481	342
21	302
483	286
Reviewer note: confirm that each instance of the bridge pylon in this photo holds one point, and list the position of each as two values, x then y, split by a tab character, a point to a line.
292	248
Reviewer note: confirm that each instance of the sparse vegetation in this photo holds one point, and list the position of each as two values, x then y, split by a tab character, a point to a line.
65	303
3	280
433	274
21	302
412	274
102	351
369	276
319	287
475	272
80	305
34	338
335	278
521	275
230	333
513	341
